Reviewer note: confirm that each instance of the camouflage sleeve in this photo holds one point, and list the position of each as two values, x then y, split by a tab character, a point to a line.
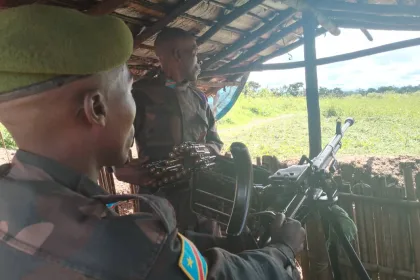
269	263
212	138
74	238
173	256
273	262
205	241
179	258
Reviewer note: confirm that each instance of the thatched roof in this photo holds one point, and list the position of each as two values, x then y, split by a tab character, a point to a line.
234	33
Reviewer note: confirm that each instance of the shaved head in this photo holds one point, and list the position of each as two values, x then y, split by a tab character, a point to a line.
169	37
177	53
90	118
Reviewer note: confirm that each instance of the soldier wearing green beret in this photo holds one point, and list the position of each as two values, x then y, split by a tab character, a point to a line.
65	98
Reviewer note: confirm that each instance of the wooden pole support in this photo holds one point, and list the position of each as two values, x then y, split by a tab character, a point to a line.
311	78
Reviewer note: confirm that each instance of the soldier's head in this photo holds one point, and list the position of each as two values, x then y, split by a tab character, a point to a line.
72	104
177	53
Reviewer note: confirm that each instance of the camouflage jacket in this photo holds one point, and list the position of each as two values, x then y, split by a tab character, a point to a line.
54	224
168	115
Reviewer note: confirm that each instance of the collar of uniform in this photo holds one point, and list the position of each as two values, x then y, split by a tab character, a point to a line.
63	175
170	83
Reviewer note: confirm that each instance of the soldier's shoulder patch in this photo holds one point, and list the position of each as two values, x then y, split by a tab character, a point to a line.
191	262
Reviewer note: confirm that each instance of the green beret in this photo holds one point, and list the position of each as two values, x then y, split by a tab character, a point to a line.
40	42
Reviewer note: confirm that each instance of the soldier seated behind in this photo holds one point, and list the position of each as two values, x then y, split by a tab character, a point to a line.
65	98
170	111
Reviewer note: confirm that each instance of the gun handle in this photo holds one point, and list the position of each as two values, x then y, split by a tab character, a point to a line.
244	185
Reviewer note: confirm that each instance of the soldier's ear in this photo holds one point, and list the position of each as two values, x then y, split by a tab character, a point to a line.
177	54
94	107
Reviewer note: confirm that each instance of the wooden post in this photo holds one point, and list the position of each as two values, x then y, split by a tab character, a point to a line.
311	78
316	238
413	214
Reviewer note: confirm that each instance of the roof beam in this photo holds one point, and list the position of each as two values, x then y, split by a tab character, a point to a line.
179	10
321	61
163	10
209	22
275	22
274	38
227	7
396	20
205	22
375	9
367	34
133	20
354	24
283	50
225	20
277	53
303	6
105	7
364	30
231	8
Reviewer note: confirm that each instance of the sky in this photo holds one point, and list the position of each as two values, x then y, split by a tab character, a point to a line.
394	68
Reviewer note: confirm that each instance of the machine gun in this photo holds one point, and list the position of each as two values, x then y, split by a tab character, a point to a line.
297	191
184	160
309	180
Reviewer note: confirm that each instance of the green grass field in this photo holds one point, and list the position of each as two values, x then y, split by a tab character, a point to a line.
386	124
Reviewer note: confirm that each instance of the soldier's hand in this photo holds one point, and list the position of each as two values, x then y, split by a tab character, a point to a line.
289	232
134	173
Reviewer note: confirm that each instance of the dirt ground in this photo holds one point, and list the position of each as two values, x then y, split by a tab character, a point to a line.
377	165
388	166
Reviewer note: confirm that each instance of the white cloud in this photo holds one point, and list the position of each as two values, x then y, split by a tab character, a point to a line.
400	67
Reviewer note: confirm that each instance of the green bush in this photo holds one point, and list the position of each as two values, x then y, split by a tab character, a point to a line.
332	111
8	139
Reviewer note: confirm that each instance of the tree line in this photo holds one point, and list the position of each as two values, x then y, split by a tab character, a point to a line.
254	89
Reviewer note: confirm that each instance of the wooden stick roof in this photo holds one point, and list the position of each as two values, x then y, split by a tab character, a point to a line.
238	33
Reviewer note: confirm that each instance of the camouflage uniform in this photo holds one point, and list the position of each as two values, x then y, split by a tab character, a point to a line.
169	115
54	224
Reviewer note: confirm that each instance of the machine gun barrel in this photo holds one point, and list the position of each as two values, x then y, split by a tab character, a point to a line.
324	158
306	179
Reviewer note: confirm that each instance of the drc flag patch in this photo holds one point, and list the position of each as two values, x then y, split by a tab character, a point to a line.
191	262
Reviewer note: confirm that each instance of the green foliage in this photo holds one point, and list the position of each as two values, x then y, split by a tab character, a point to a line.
386	124
253	89
332	111
295	89
247	109
8	140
